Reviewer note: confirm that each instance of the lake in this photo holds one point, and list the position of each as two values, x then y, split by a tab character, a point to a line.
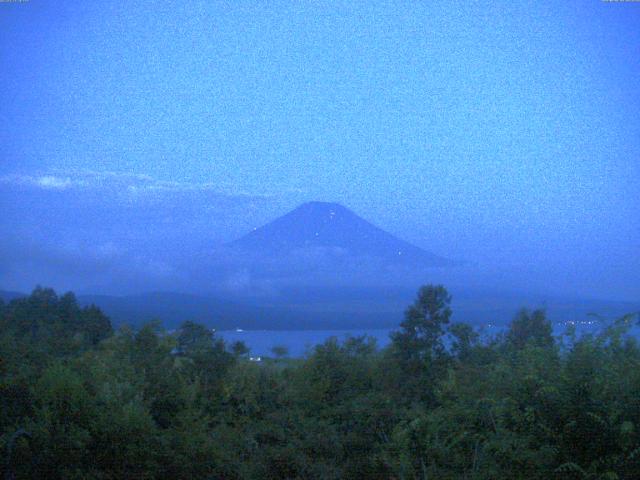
299	342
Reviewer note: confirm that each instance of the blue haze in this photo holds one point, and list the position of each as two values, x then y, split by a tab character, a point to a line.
137	136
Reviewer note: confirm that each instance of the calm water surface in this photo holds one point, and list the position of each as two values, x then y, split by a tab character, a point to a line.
301	342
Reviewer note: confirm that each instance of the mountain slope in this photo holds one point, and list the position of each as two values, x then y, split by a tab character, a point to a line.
333	229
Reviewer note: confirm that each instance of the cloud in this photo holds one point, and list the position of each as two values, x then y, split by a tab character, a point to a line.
87	228
125	184
48	182
72	264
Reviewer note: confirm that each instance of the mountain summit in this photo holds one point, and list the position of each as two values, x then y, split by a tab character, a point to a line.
335	230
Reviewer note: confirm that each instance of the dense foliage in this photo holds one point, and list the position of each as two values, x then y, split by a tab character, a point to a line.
80	401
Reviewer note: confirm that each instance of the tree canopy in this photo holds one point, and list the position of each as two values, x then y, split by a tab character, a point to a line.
78	400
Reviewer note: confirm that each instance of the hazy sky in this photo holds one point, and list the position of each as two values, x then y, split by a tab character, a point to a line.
502	133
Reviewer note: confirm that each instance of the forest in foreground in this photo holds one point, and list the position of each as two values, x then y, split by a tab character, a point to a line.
81	401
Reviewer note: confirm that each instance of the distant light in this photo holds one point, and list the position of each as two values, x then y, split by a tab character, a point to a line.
317	234
399	252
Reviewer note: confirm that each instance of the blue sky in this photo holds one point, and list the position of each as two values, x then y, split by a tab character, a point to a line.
503	133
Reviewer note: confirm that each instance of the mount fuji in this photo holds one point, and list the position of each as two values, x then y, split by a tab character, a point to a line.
328	237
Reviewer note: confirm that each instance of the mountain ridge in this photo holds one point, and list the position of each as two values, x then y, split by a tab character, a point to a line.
336	230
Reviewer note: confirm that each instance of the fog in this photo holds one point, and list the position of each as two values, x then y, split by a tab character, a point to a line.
99	233
141	143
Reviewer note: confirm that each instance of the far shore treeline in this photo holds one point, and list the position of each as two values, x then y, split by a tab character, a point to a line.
79	400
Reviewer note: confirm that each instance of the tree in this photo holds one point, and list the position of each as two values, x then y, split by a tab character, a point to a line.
194	337
420	338
530	328
464	339
239	348
280	351
95	325
418	347
56	324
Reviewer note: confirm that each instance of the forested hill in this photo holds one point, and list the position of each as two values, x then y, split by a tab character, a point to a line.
80	400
